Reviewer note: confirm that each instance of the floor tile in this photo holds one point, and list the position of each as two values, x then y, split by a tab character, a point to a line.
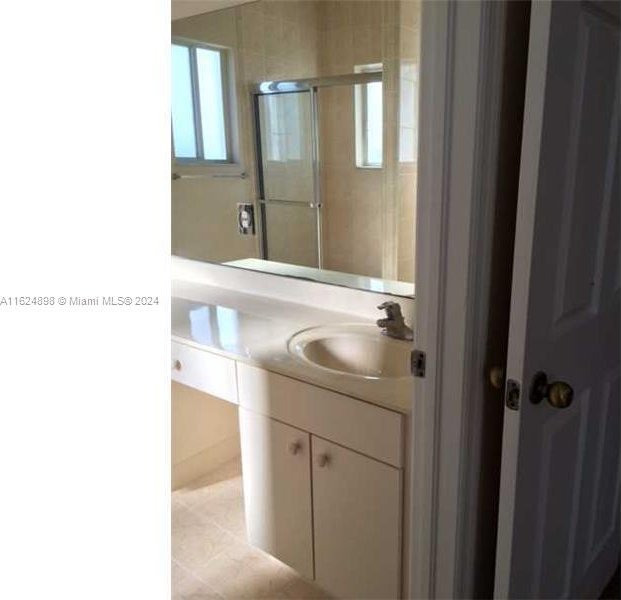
186	586
195	541
300	589
241	571
211	557
221	502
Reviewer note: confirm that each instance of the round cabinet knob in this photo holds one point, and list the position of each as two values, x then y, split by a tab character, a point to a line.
294	447
323	460
177	366
560	394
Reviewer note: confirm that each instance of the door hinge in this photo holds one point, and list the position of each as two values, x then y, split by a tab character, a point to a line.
417	363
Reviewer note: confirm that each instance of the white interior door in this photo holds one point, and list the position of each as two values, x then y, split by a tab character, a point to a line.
558	533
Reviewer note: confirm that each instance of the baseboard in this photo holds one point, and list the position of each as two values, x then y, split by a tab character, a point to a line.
204	461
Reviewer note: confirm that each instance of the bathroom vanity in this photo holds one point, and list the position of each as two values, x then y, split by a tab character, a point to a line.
324	446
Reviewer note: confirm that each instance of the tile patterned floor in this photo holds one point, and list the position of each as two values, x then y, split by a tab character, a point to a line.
211	558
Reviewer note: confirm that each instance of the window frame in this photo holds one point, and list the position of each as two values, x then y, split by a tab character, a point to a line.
361	115
225	77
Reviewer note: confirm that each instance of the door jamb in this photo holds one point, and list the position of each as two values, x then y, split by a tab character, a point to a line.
460	102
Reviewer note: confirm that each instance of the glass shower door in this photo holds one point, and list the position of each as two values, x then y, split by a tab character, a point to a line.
286	154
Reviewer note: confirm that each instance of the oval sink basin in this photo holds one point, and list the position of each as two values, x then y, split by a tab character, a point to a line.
357	349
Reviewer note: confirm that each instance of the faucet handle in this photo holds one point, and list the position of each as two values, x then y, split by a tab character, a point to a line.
393	309
394	324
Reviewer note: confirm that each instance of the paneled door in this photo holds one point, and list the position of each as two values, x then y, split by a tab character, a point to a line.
277	489
558	534
357	517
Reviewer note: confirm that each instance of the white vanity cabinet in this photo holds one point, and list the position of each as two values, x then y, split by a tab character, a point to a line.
307	497
323	473
277	489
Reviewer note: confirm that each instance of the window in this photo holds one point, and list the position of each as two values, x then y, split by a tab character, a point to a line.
369	120
200	120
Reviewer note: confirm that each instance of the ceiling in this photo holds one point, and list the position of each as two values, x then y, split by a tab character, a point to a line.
187	8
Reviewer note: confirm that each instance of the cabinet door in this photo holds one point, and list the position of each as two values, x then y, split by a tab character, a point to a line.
277	489
357	516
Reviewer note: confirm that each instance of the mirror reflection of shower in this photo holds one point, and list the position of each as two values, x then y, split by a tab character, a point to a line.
290	204
321	195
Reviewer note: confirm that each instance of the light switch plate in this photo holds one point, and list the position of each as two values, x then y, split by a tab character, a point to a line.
245	218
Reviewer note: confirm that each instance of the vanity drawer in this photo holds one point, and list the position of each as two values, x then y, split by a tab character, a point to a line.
359	425
209	373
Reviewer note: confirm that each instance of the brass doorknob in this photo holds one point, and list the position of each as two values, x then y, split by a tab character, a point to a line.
497	377
558	393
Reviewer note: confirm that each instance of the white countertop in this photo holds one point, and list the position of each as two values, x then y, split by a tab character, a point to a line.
256	329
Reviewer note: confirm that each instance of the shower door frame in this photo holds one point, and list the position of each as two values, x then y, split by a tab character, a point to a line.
294	86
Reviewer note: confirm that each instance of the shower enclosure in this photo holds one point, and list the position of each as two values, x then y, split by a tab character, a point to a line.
289	164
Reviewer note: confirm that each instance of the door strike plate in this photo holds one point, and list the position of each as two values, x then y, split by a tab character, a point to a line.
512	399
417	363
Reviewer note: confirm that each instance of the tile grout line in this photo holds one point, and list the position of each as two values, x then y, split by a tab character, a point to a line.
195	576
211	522
207	521
195	511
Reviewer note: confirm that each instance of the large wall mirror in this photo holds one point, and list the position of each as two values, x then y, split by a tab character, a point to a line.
294	128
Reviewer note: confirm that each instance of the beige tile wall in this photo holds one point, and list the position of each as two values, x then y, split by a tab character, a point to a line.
204	211
279	39
352	197
351	34
409	59
369	222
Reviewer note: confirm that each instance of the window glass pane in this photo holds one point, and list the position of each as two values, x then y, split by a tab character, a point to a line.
369	119
360	120
184	136
211	104
374	123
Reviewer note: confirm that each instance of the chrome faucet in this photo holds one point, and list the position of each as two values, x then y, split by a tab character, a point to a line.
394	325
